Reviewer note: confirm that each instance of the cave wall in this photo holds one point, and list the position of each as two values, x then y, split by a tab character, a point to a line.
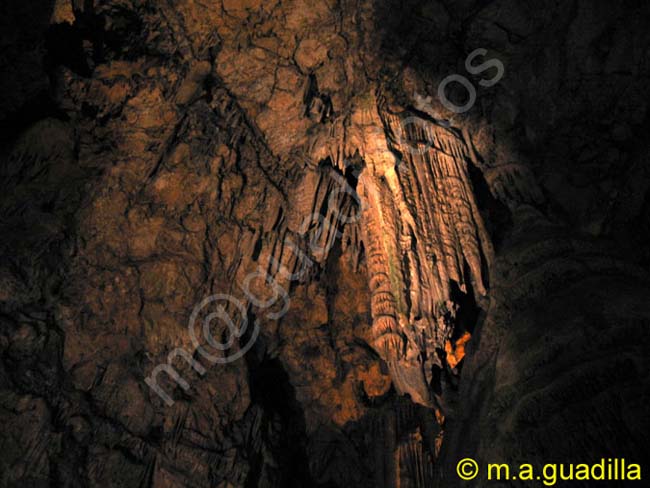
155	154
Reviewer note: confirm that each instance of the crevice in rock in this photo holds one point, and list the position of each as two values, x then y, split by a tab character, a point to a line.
284	430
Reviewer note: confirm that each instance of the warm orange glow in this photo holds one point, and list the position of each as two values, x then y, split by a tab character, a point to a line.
456	353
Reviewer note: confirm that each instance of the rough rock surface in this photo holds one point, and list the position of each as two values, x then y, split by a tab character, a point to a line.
420	285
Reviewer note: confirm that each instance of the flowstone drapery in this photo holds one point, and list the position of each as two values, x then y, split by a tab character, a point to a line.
421	229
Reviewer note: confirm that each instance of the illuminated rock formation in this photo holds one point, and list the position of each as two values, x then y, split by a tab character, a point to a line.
420	227
420	285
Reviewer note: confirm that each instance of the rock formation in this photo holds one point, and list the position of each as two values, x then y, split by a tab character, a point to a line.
246	244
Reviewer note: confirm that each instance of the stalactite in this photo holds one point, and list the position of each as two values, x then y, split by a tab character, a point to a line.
299	245
420	227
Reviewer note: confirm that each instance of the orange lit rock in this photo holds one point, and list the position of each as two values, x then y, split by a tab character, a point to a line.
456	353
420	227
